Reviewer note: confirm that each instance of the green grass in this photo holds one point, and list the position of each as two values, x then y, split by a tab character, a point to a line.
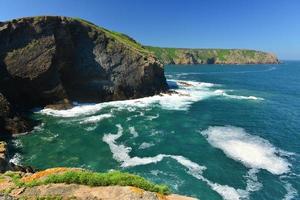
106	179
93	179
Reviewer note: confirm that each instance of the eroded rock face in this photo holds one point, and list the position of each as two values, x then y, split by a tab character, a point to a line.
3	156
56	60
11	121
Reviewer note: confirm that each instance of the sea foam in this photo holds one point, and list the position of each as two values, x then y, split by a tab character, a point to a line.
223	93
182	95
146	145
95	119
121	153
133	132
253	151
291	194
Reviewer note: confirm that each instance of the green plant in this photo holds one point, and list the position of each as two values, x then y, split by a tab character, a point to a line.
106	179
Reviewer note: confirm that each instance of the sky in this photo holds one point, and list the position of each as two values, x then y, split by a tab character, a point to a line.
267	25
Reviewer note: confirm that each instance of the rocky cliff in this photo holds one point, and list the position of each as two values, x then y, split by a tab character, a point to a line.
56	60
212	56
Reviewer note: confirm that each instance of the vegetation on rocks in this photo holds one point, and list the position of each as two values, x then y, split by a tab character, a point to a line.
106	179
211	56
83	177
120	37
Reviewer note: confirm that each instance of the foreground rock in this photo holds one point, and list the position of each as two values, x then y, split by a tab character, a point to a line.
73	191
10	188
52	61
212	56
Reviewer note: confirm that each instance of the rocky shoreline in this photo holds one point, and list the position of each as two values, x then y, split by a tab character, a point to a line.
52	61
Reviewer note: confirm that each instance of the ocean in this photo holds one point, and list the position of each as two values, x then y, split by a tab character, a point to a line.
226	132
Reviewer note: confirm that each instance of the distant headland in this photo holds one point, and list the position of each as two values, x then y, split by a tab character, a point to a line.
212	56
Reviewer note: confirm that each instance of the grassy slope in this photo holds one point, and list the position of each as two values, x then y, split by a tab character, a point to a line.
120	37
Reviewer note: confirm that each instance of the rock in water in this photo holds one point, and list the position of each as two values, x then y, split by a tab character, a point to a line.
56	60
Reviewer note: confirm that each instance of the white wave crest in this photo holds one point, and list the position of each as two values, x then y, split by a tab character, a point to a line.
73	112
16	159
223	93
252	151
95	119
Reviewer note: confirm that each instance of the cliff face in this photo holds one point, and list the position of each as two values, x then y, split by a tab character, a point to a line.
212	56
56	60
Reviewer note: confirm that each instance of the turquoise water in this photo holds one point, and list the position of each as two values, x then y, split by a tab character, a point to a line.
229	132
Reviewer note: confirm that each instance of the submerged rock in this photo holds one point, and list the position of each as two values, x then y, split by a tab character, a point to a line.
56	60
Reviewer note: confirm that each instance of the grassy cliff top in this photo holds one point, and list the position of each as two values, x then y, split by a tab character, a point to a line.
120	37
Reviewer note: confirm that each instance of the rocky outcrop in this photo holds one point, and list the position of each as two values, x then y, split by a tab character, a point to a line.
6	165
73	191
20	185
212	56
3	156
52	61
11	121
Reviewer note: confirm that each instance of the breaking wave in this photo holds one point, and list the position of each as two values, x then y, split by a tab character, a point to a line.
223	93
181	96
253	151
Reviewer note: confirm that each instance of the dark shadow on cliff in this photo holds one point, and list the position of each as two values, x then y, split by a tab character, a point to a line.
211	60
80	76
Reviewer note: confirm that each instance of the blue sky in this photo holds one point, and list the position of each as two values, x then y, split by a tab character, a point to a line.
269	25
